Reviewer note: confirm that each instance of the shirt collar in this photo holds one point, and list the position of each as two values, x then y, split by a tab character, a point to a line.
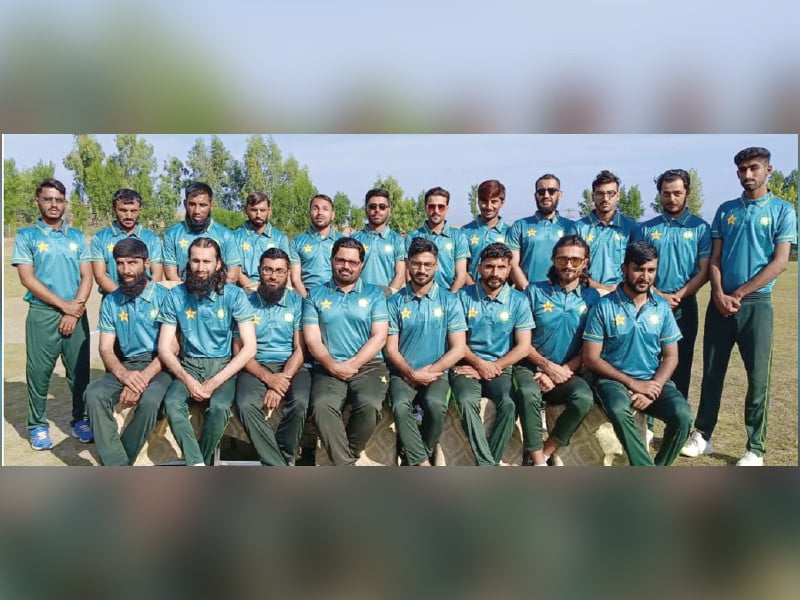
137	230
432	293
446	230
615	221
623	297
267	230
538	217
501	298
316	235
682	220
48	230
557	288
757	201
332	287
146	295
383	234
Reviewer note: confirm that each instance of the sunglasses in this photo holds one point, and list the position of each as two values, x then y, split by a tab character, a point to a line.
543	191
377	206
562	261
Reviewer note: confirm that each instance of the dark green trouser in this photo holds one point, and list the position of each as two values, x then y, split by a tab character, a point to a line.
366	392
419	441
43	345
577	394
750	328
670	407
101	396
176	405
528	398
467	394
273	449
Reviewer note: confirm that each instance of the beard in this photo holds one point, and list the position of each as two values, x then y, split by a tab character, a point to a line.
271	293
196	227
133	288
203	287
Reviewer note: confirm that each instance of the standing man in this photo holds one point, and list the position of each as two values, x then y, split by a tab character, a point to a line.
198	201
127	206
607	231
751	239
128	314
345	323
452	243
256	236
52	260
385	258
426	337
531	239
206	310
488	227
630	343
276	373
500	322
310	252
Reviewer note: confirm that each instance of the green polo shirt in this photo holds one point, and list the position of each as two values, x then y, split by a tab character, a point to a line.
178	238
134	320
345	319
275	325
492	322
750	230
560	318
632	341
103	242
251	245
681	243
607	244
452	245
382	252
423	323
55	255
206	323
479	235
534	237
312	252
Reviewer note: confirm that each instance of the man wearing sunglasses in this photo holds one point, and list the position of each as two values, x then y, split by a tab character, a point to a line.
488	227
385	249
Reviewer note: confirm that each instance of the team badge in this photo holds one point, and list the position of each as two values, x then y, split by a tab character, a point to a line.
688	235
288	317
220	313
270	245
653	319
500	239
617	236
449	245
73	246
763	221
581	309
504	316
153	313
437	312
363	302
560	233
388	248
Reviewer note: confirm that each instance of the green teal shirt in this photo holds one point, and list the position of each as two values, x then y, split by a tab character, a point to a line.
134	320
55	255
251	245
681	243
479	235
607	244
452	245
493	322
534	237
275	325
178	238
382	252
103	242
345	319
206	323
632	341
423	323
750	230
560	318
312	252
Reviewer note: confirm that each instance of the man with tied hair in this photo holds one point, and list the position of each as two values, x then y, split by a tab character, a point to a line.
751	239
630	343
128	314
385	249
499	325
127	206
255	236
52	260
531	239
607	231
488	227
310	252
276	373
198	201
452	243
426	337
345	323
205	308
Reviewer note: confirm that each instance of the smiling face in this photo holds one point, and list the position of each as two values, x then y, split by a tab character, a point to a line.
346	266
490	207
436	208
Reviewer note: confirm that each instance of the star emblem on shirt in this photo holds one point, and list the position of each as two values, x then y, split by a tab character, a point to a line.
619	320
183	243
307	248
474	240
190	313
123	316
326	304
384	380
731	219
531	233
256	320
43	247
405	313
548	306
656	235
110	247
472	313
246	246
590	237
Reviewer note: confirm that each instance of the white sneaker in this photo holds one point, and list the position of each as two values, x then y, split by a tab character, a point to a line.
697	445
750	460
648	438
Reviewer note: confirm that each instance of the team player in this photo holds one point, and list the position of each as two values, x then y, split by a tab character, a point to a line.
385	249
255	236
310	252
489	227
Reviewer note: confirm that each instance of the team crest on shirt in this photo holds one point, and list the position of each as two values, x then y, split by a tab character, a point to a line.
688	235
617	236
653	319
500	239
220	313
73	246
764	221
449	245
363	302
288	317
153	313
388	248
270	245
437	312
560	233
504	316
582	309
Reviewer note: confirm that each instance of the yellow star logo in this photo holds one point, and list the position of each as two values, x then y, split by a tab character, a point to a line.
307	248
590	237
123	316
326	304
110	247
366	248
531	233
246	246
474	240
384	380
256	320
619	320
405	313
656	235
43	247
190	314
731	220
548	306
183	243
472	313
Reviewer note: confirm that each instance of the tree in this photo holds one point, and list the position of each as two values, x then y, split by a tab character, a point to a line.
342	209
784	187
96	178
19	188
171	183
586	205
630	202
405	214
472	198
695	199
215	166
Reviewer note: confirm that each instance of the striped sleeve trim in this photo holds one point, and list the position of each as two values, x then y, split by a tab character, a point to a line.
672	338
106	329
592	337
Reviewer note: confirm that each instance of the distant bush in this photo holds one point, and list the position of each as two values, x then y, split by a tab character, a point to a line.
232	219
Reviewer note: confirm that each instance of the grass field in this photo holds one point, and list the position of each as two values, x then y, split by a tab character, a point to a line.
729	437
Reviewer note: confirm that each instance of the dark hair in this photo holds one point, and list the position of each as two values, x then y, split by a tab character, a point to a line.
604	177
348	242
323	196
673	175
639	253
379	192
206	242
130	247
491	188
127	196
571	240
546	176
273	254
438	191
496	250
420	244
753	152
52	183
254	198
198	188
